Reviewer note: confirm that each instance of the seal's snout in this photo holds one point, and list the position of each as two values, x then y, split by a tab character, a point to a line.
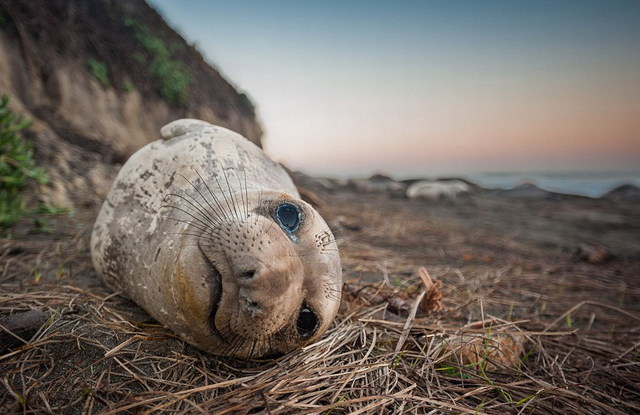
265	291
261	282
251	291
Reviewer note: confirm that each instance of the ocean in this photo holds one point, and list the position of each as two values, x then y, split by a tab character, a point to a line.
584	183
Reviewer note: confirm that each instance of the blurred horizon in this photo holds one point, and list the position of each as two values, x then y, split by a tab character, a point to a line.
414	88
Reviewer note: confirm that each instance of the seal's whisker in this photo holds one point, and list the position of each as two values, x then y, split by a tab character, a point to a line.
218	208
197	235
231	341
329	231
341	238
333	294
339	234
200	209
311	251
237	344
270	343
234	205
326	237
242	200
226	199
231	195
201	195
204	227
327	281
253	346
207	230
261	198
246	191
244	196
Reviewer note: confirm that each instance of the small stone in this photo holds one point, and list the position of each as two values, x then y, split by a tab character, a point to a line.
593	253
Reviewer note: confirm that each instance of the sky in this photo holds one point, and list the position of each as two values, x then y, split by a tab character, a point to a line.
406	88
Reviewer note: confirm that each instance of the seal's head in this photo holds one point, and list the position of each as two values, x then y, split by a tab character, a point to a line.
207	234
274	274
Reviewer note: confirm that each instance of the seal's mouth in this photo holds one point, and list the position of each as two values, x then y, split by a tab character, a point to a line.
216	293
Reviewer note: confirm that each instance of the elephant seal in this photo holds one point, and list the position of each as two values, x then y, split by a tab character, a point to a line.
209	235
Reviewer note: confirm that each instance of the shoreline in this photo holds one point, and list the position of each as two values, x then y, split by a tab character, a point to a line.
627	189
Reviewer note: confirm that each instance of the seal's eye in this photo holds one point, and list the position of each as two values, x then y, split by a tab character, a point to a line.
288	216
307	323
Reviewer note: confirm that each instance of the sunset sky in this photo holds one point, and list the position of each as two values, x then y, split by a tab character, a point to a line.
426	87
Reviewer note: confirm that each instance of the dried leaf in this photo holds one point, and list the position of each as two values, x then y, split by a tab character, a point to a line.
432	301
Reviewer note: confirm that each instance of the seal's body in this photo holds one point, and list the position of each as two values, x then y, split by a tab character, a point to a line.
210	237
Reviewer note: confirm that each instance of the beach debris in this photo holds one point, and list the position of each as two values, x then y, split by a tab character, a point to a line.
19	328
400	302
593	253
485	351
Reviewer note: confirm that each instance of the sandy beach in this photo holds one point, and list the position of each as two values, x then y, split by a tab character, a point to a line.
503	262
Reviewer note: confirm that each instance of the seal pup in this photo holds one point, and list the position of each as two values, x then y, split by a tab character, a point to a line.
209	235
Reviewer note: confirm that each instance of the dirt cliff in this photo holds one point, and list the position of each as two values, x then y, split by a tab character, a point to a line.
98	79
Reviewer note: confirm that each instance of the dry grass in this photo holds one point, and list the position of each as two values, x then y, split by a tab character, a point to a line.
546	339
91	358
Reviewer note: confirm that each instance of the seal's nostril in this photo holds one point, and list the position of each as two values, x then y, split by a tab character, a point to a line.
254	308
248	274
307	322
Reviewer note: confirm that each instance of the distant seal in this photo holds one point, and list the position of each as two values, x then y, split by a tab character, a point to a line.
209	235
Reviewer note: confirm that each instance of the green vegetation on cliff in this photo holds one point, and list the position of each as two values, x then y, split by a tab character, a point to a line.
99	71
172	75
17	166
17	169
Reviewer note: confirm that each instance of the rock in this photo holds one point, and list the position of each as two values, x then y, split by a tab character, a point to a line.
528	191
624	193
378	184
448	190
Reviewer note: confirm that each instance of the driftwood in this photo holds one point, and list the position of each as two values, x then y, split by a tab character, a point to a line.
19	328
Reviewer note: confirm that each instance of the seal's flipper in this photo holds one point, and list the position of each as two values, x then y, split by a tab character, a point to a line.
182	127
